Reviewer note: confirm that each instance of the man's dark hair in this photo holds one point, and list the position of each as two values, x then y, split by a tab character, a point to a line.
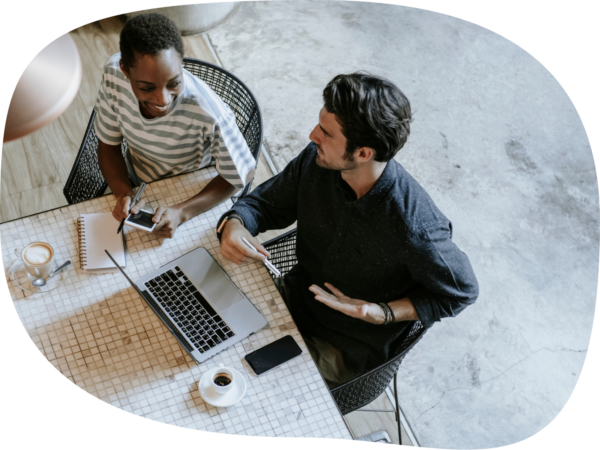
372	112
148	34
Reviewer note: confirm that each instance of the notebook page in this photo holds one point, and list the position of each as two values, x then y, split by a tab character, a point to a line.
99	232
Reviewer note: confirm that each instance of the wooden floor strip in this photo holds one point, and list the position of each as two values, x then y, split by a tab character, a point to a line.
364	423
30	202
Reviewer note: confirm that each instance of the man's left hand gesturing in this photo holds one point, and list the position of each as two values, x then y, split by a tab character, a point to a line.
359	309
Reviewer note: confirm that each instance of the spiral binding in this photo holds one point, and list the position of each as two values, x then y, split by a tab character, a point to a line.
81	240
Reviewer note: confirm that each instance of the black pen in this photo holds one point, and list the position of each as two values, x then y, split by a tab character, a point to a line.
138	194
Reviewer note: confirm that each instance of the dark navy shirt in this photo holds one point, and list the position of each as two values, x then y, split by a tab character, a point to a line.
391	243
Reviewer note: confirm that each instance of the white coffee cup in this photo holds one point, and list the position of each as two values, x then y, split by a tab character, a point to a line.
222	379
37	259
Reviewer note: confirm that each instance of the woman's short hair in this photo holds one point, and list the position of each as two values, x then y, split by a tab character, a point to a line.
148	34
372	112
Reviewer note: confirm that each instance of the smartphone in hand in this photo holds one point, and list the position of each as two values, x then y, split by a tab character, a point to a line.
142	220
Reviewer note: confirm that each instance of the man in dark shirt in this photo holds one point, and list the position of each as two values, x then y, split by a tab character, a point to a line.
374	251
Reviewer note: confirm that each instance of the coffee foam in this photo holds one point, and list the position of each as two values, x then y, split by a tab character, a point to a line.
37	254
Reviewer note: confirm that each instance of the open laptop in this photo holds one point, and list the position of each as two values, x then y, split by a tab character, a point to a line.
199	304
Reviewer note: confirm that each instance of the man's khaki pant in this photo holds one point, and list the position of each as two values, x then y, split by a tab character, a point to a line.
327	357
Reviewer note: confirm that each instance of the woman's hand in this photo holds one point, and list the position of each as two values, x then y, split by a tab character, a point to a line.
121	210
167	219
359	309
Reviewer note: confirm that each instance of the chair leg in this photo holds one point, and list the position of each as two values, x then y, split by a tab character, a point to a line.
397	409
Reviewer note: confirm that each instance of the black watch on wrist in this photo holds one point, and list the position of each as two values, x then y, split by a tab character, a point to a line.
224	221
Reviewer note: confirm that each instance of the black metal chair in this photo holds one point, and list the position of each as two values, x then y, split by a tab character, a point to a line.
86	181
360	391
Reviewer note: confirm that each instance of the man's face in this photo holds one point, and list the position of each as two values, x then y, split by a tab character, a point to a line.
156	80
331	143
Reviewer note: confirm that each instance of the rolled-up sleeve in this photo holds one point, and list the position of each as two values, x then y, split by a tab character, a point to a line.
446	281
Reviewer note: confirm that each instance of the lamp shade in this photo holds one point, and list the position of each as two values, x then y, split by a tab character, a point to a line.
45	90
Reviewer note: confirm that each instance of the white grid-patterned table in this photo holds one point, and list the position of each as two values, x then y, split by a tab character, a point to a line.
100	334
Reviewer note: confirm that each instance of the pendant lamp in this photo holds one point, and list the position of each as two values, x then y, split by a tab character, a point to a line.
45	90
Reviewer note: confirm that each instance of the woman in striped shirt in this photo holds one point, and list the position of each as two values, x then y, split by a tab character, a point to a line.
173	123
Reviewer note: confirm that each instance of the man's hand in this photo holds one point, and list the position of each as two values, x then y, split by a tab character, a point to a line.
167	219
233	247
403	309
359	309
121	210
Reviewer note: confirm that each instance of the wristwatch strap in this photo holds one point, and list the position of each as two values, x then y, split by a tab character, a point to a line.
224	221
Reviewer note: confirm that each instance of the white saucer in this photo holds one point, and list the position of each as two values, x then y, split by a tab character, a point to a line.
234	395
22	279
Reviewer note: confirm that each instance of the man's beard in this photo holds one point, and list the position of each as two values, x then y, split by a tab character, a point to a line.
347	163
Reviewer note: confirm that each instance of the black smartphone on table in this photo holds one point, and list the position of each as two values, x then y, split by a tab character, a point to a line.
273	354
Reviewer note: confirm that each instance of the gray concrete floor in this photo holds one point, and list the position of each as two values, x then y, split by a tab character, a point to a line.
499	146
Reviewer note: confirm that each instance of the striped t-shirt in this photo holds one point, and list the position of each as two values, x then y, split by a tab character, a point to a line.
199	127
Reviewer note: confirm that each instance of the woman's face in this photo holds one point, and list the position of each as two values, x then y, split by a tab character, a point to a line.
156	81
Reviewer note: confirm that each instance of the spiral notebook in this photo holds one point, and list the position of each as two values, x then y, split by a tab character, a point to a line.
98	232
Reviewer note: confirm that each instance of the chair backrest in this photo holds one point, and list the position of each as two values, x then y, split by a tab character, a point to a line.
283	252
86	181
364	389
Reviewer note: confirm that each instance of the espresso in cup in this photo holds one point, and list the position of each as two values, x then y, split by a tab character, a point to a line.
37	258
222	379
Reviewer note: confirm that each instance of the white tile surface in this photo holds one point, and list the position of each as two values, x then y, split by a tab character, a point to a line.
99	334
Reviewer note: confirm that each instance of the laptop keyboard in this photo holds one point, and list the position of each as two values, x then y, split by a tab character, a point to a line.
189	309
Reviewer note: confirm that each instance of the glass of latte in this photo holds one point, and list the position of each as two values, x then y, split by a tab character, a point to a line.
37	259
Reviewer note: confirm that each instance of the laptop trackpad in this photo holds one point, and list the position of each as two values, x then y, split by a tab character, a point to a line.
225	299
219	289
